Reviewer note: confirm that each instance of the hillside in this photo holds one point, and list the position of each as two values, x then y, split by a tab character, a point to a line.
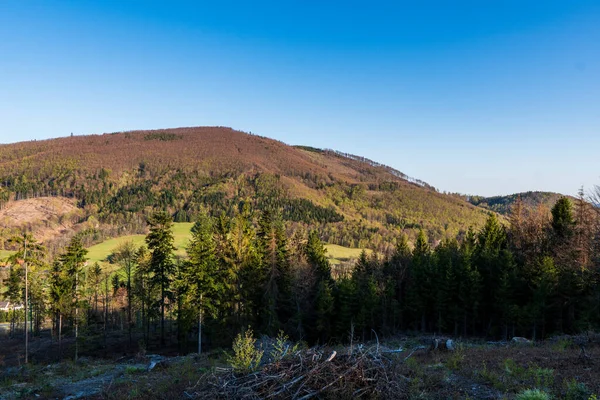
502	204
45	217
118	178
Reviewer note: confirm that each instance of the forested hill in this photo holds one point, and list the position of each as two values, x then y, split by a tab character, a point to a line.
503	204
119	178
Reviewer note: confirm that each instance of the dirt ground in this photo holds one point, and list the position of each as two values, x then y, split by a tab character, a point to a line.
42	214
402	368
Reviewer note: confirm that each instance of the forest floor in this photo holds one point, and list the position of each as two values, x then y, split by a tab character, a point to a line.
400	367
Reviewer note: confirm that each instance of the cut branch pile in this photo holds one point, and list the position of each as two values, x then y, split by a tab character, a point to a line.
313	373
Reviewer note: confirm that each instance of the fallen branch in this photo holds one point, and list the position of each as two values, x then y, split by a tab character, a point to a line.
414	350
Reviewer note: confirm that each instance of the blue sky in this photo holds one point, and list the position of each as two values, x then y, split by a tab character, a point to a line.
481	97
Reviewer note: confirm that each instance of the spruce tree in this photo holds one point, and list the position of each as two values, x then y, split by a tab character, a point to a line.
160	244
206	281
272	245
318	320
396	272
73	261
491	241
422	296
316	257
126	256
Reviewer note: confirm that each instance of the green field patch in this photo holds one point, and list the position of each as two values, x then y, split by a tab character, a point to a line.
100	251
337	254
181	233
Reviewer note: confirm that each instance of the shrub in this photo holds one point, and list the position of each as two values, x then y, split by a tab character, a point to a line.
513	369
491	377
576	391
543	377
455	359
282	348
562	345
246	357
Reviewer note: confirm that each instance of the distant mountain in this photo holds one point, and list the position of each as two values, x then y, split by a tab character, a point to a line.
502	204
119	178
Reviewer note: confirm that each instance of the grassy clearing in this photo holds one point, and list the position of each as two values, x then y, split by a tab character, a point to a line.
337	254
181	232
99	252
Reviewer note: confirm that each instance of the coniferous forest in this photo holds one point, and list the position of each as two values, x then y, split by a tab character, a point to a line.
536	276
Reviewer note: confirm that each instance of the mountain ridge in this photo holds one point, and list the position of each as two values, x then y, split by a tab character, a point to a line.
118	178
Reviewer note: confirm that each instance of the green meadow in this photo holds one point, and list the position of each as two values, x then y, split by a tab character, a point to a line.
99	252
181	232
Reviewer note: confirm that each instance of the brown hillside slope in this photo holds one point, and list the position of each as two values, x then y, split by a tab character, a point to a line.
45	217
217	148
214	149
373	199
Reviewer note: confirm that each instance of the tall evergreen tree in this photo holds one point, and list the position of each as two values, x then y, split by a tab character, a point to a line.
317	258
29	255
491	241
469	292
396	272
318	320
277	299
160	244
422	295
206	280
126	256
73	261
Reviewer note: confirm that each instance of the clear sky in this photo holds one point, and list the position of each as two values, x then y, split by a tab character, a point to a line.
480	97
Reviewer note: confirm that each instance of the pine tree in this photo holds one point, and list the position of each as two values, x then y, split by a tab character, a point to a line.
345	305
422	296
245	268
470	284
491	241
396	272
207	286
14	293
141	287
321	292
324	307
125	255
562	219
316	257
563	251
95	278
73	261
29	256
447	277
276	301
544	280
160	243
61	296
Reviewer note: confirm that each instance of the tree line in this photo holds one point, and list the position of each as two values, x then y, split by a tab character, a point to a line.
537	275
